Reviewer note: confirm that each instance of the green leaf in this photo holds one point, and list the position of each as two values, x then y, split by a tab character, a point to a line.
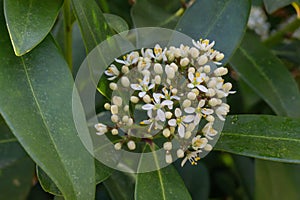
166	182
142	13
120	185
273	5
16	168
222	21
38	109
277	181
92	23
29	22
102	173
267	76
247	134
118	24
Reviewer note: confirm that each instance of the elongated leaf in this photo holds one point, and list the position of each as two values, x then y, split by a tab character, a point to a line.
29	22
38	109
166	183
120	185
273	5
16	168
48	185
94	28
118	24
222	21
277	181
262	136
142	13
264	72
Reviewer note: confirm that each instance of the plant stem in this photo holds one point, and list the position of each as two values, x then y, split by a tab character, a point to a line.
280	35
68	33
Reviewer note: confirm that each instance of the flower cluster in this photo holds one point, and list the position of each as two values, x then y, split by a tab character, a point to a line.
180	93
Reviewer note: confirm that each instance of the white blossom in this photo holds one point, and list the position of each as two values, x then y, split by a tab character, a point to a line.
180	121
143	87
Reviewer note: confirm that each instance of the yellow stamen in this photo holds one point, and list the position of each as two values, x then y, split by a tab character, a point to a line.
297	8
197	74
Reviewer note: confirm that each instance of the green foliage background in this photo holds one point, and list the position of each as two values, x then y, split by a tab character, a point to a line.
42	45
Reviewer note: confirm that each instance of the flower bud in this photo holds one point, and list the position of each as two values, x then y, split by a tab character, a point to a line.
125	81
118	146
166	132
125	69
194	52
219	56
158	68
169	159
114	118
131	145
186	103
113	86
168	146
184	62
134	99
221	71
157	79
147	98
191	95
206	69
180	153
114	131
174	67
117	100
114	109
202	60
107	106
208	147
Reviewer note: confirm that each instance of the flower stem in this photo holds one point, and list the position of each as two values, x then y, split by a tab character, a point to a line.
68	33
280	35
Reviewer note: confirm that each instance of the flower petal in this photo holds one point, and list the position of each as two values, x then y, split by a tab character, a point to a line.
136	86
148	107
188	118
181	130
178	112
120	61
172	122
161	115
142	94
167	103
202	88
189	110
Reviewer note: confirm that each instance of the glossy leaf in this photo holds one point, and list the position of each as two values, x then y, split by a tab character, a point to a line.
273	5
277	181
221	21
16	168
120	185
92	23
118	24
102	173
142	13
265	73
38	109
262	136
166	182
29	22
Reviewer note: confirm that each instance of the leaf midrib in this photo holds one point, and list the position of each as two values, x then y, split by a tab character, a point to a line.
44	122
244	52
224	134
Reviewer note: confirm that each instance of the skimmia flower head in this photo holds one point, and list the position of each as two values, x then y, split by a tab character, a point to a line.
174	93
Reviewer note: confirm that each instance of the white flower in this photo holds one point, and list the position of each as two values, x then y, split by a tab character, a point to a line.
168	96
222	110
101	128
198	142
203	45
113	72
130	59
144	64
196	80
197	110
159	53
152	121
158	105
179	121
192	157
144	86
208	131
131	145
148	53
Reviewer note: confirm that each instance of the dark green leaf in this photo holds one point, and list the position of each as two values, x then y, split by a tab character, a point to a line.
16	168
116	23
92	23
120	185
265	73
166	182
221	21
149	13
273	5
262	136
38	109
277	181
29	22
